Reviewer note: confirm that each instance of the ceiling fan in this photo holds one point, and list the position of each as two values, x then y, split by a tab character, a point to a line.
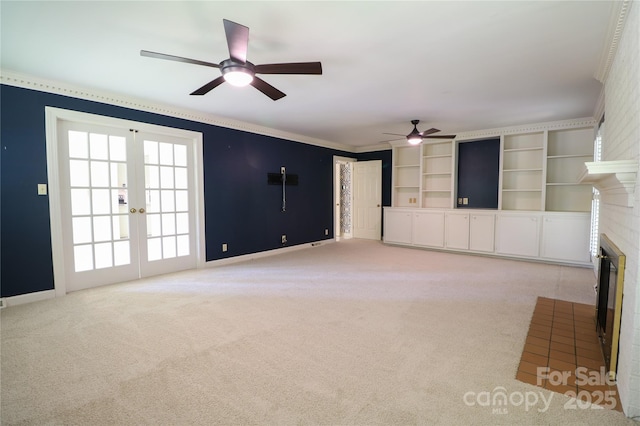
237	70
415	137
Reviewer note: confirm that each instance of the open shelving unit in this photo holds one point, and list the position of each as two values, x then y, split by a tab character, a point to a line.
567	151
437	181
406	176
523	171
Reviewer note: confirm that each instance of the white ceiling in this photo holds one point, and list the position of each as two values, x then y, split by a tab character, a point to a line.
457	66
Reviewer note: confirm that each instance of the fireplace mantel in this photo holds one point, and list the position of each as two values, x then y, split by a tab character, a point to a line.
616	180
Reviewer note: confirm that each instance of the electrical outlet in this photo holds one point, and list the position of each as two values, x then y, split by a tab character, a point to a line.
459	201
224	247
284	239
42	189
465	201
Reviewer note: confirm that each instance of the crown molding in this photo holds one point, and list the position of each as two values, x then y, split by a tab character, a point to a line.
617	19
529	128
11	78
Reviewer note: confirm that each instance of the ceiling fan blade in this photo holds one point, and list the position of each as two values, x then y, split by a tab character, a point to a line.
394	134
440	137
209	86
267	89
177	58
237	40
314	68
428	132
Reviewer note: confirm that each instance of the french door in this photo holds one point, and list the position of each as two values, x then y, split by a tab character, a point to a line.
127	203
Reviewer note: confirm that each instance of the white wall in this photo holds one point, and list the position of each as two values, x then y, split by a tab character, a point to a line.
622	224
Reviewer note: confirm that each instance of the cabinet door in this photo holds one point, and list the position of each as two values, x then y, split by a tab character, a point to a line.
397	226
428	229
566	238
482	232
518	235
457	231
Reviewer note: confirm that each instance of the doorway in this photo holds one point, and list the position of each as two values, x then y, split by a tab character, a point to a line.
343	197
125	200
357	198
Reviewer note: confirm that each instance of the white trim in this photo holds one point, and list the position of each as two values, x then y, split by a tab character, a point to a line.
55	205
529	128
266	253
617	20
21	299
616	180
11	78
52	116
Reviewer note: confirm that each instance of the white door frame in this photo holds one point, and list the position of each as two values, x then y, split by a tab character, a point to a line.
53	116
337	160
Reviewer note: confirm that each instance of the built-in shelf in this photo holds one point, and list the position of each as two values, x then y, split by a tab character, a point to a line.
539	171
616	180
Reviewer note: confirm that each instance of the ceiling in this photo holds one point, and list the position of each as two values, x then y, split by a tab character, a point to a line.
457	66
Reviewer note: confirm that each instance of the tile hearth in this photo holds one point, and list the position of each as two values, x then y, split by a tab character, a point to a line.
562	353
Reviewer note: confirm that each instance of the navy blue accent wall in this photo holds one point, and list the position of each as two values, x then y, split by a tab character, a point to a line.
478	173
241	209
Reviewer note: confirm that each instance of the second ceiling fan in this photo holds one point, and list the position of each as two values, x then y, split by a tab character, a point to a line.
415	137
237	70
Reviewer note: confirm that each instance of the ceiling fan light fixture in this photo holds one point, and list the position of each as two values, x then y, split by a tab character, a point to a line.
414	140
239	78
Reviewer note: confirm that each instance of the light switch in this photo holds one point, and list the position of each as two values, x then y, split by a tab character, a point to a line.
42	189
465	201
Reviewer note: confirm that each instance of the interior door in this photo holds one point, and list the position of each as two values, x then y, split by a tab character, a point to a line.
127	204
367	199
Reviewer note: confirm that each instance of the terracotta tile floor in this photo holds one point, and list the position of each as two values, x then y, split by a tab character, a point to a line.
562	353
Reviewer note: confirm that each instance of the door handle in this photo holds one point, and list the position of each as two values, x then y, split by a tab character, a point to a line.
141	210
132	210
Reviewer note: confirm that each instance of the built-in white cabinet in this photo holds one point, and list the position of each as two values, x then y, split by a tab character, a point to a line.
543	209
556	237
518	234
565	237
457	230
428	228
482	232
398	226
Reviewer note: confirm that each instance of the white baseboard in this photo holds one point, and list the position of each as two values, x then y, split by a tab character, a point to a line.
267	253
21	299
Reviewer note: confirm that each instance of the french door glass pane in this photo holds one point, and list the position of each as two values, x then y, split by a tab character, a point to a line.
79	172
83	257
99	197
78	144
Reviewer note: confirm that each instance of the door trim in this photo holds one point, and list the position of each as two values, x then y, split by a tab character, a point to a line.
52	117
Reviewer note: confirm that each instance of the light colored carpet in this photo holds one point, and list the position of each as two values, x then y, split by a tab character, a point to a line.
353	332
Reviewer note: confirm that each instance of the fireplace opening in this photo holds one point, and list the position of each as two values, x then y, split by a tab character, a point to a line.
609	291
